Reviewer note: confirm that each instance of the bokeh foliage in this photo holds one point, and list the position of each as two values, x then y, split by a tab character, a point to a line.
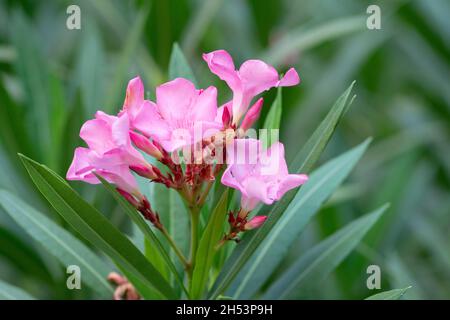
53	79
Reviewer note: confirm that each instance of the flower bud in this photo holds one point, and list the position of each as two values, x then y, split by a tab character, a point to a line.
128	197
252	115
145	171
145	145
255	222
226	116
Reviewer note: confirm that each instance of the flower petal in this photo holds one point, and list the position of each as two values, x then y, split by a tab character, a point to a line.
221	64
134	96
97	134
79	164
291	78
257	76
150	122
205	106
174	99
289	182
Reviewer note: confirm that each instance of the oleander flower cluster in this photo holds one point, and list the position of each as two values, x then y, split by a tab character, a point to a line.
194	141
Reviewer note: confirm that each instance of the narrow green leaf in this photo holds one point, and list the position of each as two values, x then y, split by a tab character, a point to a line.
10	292
179	66
394	294
301	40
92	225
273	120
207	248
60	243
303	163
307	202
198	24
23	256
315	265
31	67
91	70
130	46
145	228
311	151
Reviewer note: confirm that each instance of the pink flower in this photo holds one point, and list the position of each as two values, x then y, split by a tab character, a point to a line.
181	116
260	175
252	78
110	153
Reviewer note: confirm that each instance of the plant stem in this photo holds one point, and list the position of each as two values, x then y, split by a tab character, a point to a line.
175	247
205	193
195	215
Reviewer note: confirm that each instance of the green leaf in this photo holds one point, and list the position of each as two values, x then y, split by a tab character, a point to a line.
273	120
179	66
91	70
23	256
316	264
130	47
32	69
173	214
60	243
145	228
92	225
301	40
394	294
321	184
311	151
9	292
305	160
207	248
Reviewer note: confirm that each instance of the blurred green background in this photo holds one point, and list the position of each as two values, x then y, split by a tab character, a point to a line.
53	79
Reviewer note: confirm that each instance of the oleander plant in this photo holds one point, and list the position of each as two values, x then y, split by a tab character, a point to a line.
221	150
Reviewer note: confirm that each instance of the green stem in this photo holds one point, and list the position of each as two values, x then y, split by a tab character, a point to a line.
195	215
175	247
205	193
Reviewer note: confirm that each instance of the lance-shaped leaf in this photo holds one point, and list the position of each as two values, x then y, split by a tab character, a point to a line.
144	227
179	66
316	264
60	243
10	292
273	119
93	226
307	202
303	163
207	248
394	294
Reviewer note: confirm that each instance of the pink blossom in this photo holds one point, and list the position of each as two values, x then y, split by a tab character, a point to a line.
110	153
252	78
260	175
181	116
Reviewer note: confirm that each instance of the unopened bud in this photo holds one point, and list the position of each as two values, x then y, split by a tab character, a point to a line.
145	171
145	145
255	222
226	116
252	115
128	197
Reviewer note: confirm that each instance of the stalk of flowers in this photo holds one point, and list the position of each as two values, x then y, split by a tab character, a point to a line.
193	140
